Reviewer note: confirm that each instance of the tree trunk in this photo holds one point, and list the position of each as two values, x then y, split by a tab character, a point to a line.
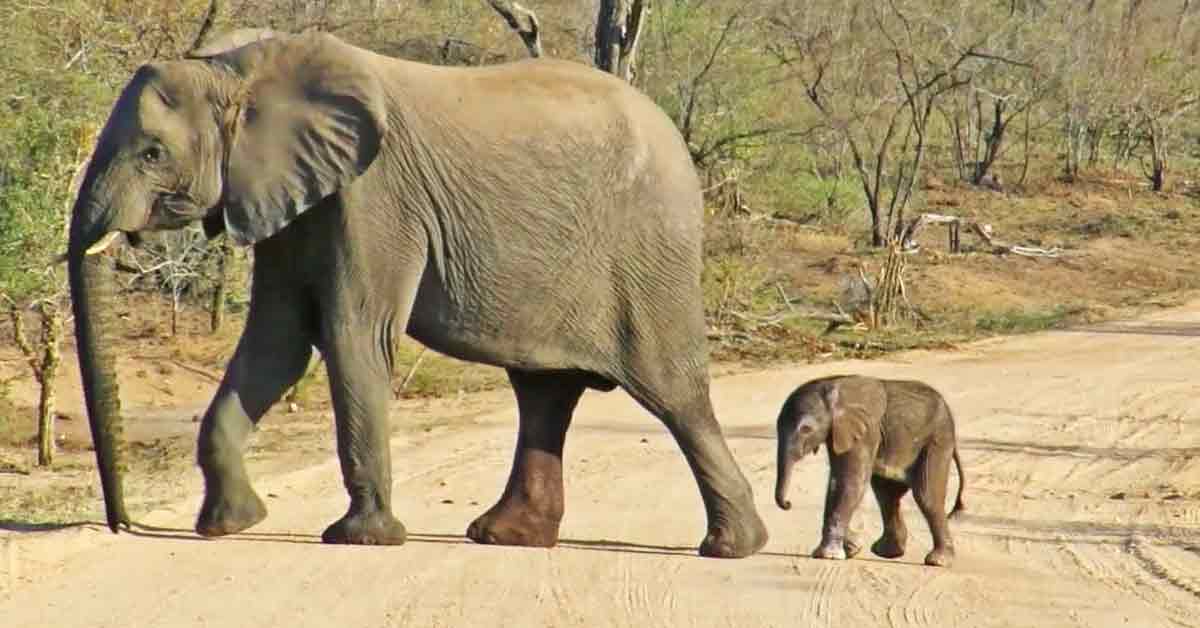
1158	158
618	29
991	144
47	371
878	232
221	289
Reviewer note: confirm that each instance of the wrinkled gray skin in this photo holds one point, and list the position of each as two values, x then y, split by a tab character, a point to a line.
899	434
541	216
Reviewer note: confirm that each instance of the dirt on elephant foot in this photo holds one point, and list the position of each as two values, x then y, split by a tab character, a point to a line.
366	528
852	546
224	515
735	541
511	524
940	557
830	551
887	547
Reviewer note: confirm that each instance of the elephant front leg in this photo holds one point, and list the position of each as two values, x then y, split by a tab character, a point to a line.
271	356
531	507
359	385
847	483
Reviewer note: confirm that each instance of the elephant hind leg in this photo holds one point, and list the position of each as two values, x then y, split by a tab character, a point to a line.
529	511
735	529
892	543
930	476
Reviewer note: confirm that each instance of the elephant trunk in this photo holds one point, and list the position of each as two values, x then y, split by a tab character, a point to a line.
92	291
783	476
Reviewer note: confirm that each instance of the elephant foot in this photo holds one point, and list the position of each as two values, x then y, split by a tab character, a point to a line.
852	547
735	540
508	524
226	514
830	551
887	547
374	527
940	557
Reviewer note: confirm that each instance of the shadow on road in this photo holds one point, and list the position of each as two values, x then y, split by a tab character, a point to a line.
13	525
596	545
1080	451
1081	532
654	428
1157	328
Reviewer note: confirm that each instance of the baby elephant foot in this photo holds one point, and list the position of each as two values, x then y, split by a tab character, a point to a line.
940	557
228	513
373	527
887	547
852	546
735	540
830	551
506	524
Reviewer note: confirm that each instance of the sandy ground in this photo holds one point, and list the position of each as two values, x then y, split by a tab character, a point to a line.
1082	454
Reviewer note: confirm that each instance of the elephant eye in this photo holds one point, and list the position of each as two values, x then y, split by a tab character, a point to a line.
152	155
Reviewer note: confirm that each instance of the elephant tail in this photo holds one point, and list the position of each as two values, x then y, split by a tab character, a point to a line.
959	506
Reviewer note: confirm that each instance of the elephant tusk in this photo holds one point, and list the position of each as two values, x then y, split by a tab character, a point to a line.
102	243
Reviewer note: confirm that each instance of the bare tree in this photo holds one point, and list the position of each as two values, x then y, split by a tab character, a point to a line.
875	75
43	357
618	30
1159	126
1003	87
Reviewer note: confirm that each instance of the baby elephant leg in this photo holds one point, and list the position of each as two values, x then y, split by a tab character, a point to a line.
930	477
848	475
853	542
892	542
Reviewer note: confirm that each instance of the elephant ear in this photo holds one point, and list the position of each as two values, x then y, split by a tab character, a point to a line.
310	119
850	412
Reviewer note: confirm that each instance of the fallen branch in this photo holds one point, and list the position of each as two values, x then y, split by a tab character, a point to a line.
999	247
982	230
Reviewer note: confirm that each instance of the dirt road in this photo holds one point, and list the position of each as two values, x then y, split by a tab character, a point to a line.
1082	450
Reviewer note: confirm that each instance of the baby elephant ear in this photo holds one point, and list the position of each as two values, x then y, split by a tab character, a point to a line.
311	119
850	416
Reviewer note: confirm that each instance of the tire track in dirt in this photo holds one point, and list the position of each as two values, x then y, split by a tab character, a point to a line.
1157	561
1110	565
1054	425
820	603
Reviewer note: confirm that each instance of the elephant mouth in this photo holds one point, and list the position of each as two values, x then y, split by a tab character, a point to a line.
171	211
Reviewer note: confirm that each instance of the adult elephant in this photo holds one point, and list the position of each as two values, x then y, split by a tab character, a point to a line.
539	216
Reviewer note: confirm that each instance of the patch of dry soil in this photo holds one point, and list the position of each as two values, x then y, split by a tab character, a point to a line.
1082	454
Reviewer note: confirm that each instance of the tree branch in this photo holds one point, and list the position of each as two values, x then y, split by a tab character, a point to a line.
530	36
210	16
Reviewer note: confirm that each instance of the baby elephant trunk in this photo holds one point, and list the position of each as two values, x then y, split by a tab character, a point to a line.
783	477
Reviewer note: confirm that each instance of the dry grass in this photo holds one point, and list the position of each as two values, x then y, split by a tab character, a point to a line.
1127	249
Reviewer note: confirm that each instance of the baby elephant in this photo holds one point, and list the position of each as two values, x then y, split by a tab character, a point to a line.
900	434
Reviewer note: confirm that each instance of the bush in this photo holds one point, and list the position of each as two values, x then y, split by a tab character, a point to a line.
37	161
